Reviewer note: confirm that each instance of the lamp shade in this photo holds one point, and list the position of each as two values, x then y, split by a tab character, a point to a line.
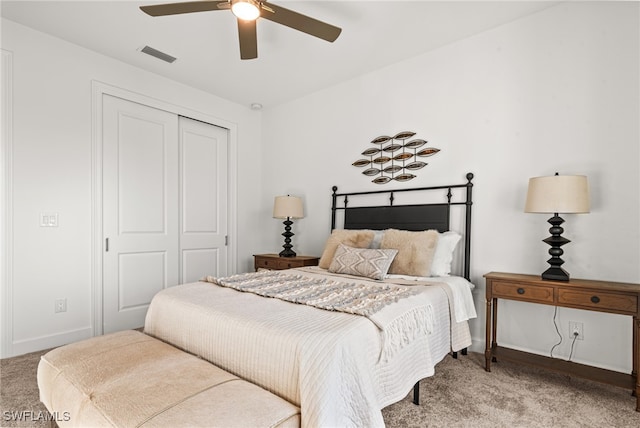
568	194
287	207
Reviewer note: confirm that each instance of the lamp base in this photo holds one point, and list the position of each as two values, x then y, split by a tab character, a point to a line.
287	252
556	240
555	274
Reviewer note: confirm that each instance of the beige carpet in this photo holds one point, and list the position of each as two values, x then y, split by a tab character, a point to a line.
461	394
20	405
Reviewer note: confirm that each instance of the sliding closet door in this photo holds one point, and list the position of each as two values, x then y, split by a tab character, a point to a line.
140	209
203	200
164	206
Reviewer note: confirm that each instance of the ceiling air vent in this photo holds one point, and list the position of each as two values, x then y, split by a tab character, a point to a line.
157	54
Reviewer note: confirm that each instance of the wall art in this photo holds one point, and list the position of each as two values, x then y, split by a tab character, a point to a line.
395	158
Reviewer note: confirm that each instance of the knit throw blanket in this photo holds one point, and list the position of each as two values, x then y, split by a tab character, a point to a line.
352	298
398	328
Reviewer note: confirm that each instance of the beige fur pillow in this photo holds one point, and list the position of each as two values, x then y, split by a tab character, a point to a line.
415	251
350	238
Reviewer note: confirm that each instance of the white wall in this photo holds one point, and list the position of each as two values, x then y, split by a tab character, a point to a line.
52	171
556	91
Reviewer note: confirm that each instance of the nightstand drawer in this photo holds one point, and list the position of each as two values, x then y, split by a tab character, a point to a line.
288	264
516	291
268	263
599	300
275	262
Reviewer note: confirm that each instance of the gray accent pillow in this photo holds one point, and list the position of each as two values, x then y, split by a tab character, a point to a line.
367	262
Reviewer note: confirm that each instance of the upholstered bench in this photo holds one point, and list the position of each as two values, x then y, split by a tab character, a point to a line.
130	379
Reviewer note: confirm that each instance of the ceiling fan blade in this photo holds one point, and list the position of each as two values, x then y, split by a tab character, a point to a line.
300	22
184	7
248	39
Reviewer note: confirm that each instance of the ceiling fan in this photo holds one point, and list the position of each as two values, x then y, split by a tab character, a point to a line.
247	12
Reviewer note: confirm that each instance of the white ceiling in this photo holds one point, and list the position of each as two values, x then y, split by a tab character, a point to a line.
290	64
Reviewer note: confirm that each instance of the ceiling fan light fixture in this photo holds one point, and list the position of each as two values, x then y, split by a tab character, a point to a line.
247	10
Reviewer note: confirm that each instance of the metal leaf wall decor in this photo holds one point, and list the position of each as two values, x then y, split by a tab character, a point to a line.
395	158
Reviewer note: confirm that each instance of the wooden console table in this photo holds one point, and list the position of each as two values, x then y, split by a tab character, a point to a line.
601	296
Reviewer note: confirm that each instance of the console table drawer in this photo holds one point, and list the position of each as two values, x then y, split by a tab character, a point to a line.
599	300
509	290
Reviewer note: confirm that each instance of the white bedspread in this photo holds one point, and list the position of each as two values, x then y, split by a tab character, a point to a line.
328	363
465	308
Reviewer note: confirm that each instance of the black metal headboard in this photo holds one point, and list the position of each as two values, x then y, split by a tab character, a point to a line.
423	216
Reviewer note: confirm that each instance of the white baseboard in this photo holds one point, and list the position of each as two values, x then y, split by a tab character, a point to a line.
47	342
477	345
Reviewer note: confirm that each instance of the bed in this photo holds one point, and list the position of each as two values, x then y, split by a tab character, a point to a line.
343	365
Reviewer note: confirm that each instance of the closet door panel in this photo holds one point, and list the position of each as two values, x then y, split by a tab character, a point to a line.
203	230
140	209
164	206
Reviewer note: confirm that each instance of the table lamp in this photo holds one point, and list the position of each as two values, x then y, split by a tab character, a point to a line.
287	207
564	194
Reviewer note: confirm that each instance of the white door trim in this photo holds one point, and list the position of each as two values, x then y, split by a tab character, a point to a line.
98	89
6	207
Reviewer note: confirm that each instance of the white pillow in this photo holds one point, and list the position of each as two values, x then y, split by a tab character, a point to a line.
367	262
443	256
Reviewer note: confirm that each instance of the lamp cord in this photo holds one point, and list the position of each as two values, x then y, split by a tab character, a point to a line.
555	324
575	336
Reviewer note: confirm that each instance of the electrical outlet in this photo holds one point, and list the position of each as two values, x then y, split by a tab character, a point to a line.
60	305
576	327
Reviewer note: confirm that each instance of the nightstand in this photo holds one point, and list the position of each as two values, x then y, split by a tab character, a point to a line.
275	262
602	296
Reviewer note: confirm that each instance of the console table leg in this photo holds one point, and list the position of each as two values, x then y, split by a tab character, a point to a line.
494	341
487	347
636	360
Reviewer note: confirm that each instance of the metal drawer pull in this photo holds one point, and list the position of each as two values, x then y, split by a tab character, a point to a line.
521	290
595	299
